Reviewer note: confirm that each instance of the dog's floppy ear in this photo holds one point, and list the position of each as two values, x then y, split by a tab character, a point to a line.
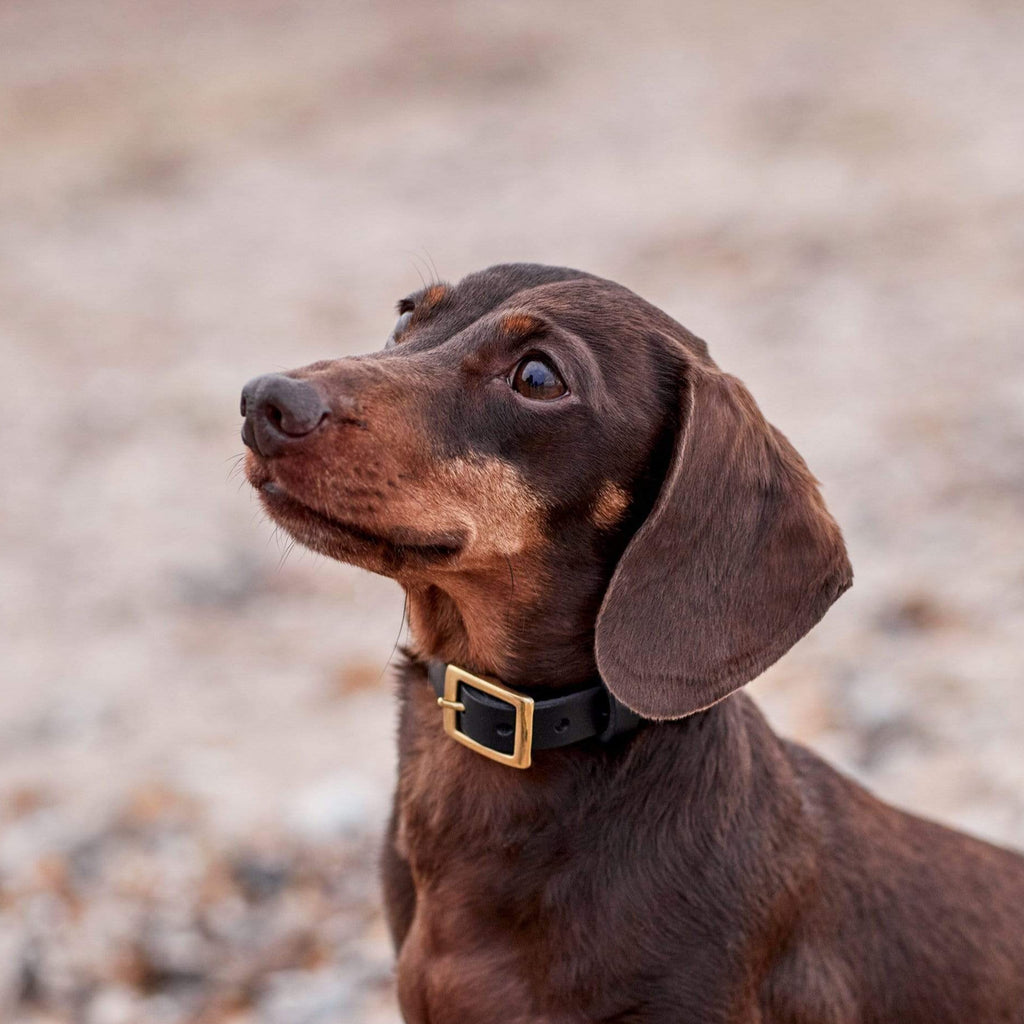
737	560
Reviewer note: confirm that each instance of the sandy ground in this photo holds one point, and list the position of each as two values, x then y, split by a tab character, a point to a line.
195	730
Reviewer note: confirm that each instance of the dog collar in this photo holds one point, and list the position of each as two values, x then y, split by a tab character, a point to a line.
507	726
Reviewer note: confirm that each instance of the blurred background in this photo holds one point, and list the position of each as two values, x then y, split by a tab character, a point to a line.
195	725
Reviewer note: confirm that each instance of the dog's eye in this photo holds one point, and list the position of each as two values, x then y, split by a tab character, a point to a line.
400	325
535	378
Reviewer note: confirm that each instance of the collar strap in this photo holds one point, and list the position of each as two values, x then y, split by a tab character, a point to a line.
507	726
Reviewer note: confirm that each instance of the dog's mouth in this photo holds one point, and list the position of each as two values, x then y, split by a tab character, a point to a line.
346	541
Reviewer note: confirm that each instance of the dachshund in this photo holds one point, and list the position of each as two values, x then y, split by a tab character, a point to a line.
601	541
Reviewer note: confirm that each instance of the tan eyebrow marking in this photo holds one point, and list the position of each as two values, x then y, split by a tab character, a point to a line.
433	296
520	325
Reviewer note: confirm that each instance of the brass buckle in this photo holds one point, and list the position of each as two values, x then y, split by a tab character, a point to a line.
522	747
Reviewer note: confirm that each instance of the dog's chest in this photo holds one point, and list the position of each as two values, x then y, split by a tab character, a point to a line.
480	852
451	970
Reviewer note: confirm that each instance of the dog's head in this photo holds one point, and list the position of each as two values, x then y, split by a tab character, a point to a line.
545	429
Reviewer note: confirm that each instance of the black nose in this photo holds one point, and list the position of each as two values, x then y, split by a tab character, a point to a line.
279	411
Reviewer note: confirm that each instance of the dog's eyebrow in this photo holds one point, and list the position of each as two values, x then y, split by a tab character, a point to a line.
518	325
433	296
423	301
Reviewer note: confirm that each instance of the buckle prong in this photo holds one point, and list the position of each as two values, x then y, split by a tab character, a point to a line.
453	704
522	747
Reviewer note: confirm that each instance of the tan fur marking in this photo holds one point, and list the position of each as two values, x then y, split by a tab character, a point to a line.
486	498
433	295
519	325
610	506
492	494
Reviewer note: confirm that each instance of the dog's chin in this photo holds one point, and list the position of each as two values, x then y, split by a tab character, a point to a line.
387	551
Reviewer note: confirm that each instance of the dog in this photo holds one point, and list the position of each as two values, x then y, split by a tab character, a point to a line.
601	541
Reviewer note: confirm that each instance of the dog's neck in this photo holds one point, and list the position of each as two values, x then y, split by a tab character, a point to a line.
489	624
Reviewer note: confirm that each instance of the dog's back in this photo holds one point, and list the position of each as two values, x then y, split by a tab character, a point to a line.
909	921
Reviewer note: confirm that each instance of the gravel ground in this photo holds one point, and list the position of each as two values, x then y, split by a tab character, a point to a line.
196	725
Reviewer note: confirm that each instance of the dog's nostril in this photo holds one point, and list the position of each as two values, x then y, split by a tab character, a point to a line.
274	415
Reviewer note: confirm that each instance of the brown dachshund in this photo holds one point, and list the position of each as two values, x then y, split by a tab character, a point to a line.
602	540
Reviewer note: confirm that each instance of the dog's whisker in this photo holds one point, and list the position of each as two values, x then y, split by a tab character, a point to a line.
398	639
284	555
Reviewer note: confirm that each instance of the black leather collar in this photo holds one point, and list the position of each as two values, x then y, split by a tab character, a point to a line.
492	723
